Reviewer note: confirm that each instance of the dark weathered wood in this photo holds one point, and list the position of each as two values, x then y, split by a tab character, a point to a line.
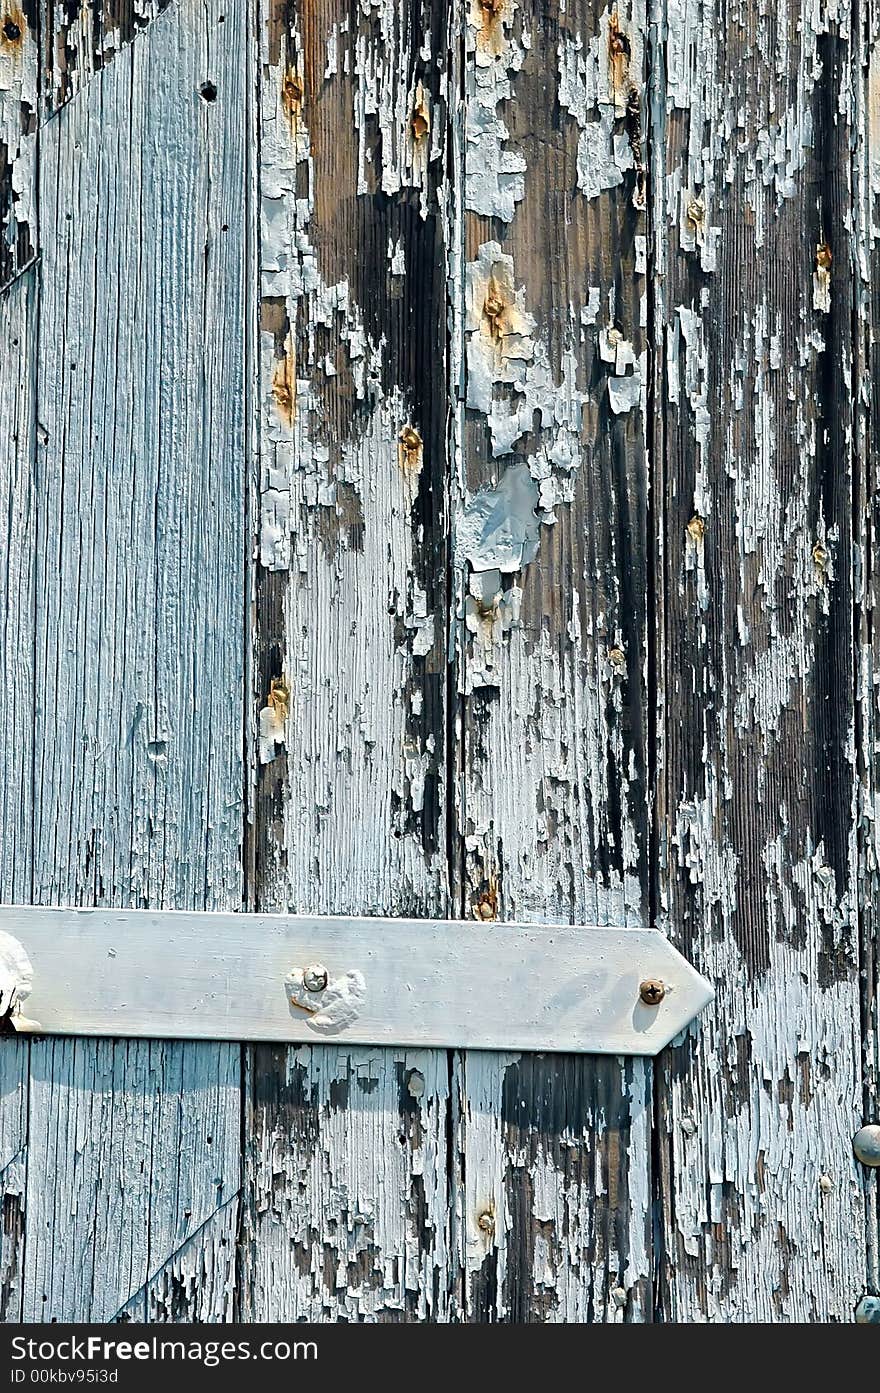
19	78
866	521
14	1060
762	1206
459	264
551	810
17	443
348	1193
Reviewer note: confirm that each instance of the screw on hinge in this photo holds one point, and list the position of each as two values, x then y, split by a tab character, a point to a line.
315	978
651	991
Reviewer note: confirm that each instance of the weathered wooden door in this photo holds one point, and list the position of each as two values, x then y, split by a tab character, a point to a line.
438	479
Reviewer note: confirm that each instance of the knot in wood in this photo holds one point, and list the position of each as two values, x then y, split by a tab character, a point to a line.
11	31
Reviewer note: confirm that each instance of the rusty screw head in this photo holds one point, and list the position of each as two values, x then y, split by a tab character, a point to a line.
410	439
315	978
293	89
486	1221
651	991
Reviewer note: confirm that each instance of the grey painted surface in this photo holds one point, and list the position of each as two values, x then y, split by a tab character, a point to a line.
128	687
387	254
296	978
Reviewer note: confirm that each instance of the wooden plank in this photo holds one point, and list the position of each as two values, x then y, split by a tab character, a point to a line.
348	1207
366	981
135	703
866	523
763	1208
18	146
81	37
18	321
551	797
18	318
140	1141
14	1060
350	668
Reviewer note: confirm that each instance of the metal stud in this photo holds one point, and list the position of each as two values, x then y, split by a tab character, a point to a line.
866	1144
868	1311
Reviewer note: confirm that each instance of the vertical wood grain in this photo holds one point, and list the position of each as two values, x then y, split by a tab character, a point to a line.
551	400
19	81
18	351
762	1206
551	553
346	1150
135	702
14	1059
866	192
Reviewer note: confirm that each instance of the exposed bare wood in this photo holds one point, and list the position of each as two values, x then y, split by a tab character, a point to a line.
446	488
551	547
763	1208
866	523
13	1151
81	37
18	150
350	738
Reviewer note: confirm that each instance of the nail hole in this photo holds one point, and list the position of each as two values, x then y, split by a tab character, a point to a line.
208	91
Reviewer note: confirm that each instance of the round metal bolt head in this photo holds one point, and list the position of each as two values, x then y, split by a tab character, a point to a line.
315	978
486	1221
866	1144
651	991
868	1311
